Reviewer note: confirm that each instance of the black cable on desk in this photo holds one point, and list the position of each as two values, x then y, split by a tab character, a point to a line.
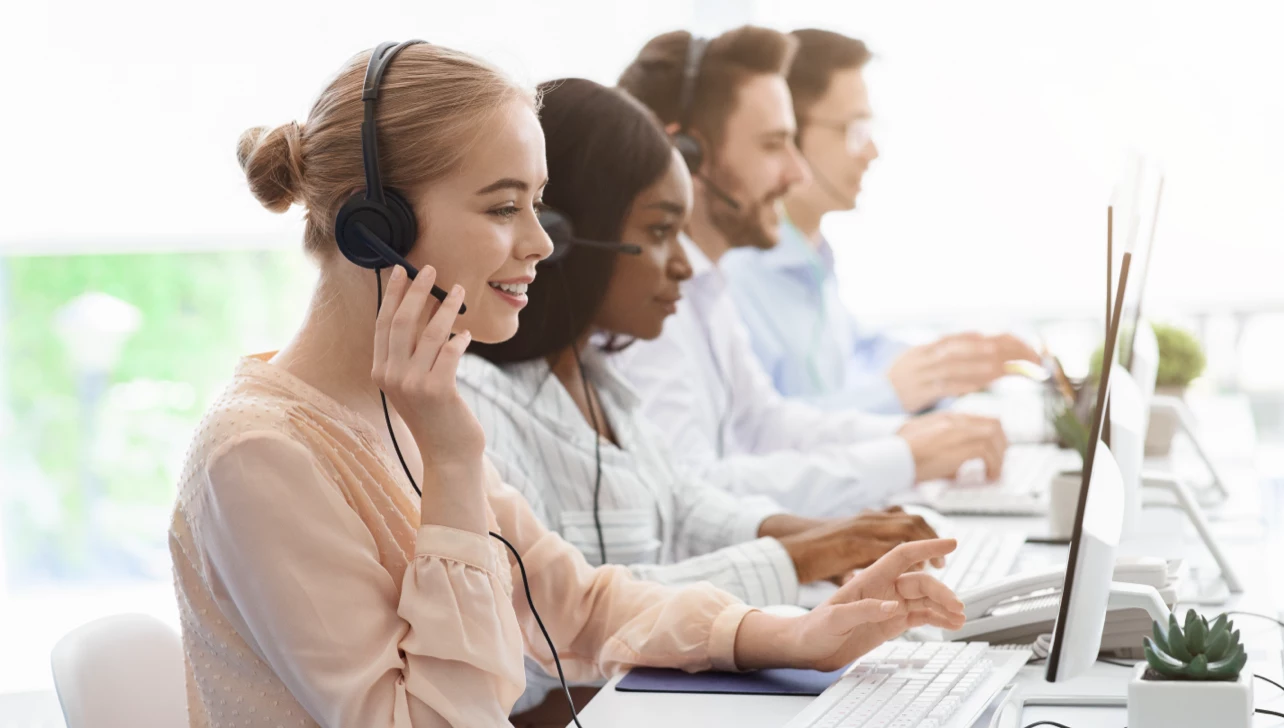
1267	679
1260	616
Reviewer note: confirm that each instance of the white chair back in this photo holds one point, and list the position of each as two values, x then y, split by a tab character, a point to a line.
123	671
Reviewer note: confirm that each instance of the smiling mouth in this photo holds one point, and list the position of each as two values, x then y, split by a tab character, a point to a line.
512	289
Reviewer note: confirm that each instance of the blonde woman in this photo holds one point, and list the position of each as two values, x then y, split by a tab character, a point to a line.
315	587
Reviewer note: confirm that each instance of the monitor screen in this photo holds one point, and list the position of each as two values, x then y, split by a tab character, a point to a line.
1136	215
1094	443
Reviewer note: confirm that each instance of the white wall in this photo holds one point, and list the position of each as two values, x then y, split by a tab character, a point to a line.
1003	126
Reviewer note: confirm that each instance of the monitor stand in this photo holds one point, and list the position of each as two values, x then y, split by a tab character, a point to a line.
1175	407
1204	593
1100	687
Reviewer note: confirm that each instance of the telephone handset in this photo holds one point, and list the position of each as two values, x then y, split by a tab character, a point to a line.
1020	608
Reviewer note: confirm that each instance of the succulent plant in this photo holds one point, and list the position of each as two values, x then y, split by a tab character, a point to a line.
1201	651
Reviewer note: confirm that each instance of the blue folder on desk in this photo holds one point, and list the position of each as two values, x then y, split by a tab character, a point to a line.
780	681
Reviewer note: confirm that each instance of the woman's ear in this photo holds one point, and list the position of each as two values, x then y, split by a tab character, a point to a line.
672	128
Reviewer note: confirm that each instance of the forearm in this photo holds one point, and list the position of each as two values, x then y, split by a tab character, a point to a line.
785	524
766	640
454	496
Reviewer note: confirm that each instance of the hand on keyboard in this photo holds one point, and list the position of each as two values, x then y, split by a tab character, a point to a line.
878	604
942	441
834	548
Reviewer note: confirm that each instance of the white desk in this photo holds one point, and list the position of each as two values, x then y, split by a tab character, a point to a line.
1254	541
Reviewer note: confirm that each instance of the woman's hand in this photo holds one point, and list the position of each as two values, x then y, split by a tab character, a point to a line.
876	605
833	549
414	364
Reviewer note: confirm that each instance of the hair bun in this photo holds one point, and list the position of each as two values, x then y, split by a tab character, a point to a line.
272	160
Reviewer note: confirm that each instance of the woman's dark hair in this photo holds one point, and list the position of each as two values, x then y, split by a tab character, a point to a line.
604	148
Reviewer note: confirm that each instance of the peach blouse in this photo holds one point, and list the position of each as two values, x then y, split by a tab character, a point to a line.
310	595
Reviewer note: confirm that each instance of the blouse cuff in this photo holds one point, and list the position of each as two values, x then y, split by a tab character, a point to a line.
722	636
452	544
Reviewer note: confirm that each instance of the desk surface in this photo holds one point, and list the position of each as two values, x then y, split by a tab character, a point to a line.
1253	539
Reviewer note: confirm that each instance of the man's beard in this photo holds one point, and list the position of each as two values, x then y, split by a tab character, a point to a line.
742	228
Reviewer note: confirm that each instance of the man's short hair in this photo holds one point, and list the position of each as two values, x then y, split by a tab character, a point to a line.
820	54
655	76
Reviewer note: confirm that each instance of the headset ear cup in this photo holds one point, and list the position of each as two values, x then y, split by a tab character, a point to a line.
394	224
558	229
691	151
374	216
403	216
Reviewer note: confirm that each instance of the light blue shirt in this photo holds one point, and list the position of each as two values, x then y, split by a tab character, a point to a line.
805	338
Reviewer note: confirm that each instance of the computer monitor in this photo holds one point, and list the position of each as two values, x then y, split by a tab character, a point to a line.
1146	182
1098	527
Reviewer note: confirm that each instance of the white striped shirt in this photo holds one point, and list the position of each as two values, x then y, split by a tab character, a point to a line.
665	525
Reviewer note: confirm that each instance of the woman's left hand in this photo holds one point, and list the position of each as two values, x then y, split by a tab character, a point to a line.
876	605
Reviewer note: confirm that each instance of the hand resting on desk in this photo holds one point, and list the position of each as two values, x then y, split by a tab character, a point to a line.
876	605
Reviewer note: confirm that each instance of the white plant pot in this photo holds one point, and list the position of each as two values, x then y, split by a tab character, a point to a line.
1063	503
1189	704
1162	426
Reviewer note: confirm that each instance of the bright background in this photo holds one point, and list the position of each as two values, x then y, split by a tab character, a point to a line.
1004	128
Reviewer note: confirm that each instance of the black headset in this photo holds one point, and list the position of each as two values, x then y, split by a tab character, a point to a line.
688	146
559	229
375	231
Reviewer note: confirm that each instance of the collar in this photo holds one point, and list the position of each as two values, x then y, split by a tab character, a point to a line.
700	263
795	251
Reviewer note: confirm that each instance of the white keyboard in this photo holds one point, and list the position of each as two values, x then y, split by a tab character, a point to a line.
1022	489
983	556
915	685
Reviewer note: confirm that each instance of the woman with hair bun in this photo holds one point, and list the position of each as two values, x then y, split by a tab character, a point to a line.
315	587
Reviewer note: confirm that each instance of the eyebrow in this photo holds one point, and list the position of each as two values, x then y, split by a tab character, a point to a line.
676	208
507	183
775	134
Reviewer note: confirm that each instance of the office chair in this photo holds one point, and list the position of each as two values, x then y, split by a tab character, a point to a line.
123	671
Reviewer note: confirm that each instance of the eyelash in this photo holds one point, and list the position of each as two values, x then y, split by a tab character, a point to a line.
509	211
660	233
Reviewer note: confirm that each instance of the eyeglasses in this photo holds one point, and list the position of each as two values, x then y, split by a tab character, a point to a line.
857	132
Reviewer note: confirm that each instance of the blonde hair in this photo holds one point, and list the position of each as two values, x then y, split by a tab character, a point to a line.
433	103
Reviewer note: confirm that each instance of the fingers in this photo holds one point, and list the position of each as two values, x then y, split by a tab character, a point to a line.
1010	347
984	439
994	444
408	318
846	617
448	357
398	282
923	586
921	617
909	555
895	525
437	333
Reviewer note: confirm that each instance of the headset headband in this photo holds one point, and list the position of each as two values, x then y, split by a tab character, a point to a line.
380	58
690	74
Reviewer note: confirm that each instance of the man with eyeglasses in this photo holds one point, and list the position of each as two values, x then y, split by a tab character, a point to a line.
806	339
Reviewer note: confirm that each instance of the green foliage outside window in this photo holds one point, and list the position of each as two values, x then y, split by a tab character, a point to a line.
199	313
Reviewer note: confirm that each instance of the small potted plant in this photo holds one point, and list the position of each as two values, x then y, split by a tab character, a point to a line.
1192	677
1064	412
1181	361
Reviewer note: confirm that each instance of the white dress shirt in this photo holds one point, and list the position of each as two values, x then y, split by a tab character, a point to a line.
704	387
664	524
